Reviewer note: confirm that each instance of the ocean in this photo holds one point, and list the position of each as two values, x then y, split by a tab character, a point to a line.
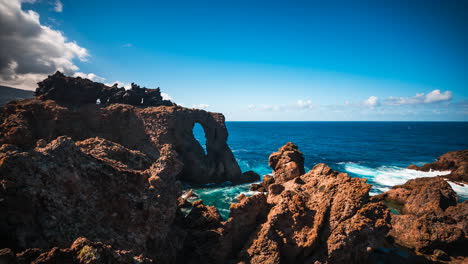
377	151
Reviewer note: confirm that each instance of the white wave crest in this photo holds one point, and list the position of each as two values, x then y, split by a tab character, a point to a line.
385	177
389	175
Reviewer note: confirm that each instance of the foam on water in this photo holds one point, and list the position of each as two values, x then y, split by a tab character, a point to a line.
384	177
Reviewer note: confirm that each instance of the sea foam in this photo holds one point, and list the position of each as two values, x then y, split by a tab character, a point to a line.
384	177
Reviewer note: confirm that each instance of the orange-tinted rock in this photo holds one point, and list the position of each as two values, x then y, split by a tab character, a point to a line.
287	163
431	221
454	161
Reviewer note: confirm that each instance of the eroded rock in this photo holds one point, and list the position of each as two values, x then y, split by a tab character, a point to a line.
454	161
287	163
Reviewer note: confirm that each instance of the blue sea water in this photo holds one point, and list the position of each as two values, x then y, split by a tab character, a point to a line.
378	151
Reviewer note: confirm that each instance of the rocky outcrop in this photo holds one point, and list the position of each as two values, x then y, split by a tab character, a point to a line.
263	186
143	129
287	163
82	182
81	251
109	172
430	221
54	194
78	91
322	216
454	161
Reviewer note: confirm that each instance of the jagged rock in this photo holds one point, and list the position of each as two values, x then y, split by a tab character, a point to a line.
263	186
114	154
143	129
454	161
287	163
420	196
78	91
81	251
54	194
431	220
324	217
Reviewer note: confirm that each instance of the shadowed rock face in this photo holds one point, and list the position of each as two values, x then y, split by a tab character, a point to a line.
454	161
78	91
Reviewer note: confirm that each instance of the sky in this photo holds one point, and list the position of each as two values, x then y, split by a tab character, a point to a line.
254	60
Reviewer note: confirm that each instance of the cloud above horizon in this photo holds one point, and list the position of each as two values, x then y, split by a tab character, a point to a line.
420	98
30	50
200	106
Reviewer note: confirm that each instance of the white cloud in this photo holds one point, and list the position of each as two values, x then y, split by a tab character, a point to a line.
120	84
127	45
58	6
93	77
372	101
30	51
420	98
200	106
305	104
166	96
437	96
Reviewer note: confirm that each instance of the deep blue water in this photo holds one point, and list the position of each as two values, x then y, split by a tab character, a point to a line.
378	151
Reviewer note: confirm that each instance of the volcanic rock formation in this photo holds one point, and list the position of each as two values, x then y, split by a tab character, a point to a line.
287	163
430	219
454	161
82	182
74	113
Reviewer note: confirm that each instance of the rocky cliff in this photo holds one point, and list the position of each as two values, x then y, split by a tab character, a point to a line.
101	183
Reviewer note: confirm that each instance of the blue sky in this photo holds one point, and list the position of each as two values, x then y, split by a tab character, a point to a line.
278	60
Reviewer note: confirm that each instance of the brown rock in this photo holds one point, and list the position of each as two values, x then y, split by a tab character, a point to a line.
287	163
431	220
145	128
263	186
454	161
324	217
81	251
53	195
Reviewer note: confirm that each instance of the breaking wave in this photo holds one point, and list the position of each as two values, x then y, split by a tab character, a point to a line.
384	177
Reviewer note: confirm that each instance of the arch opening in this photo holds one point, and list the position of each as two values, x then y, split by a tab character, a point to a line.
199	134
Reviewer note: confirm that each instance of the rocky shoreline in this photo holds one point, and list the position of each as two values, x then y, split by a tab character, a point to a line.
102	183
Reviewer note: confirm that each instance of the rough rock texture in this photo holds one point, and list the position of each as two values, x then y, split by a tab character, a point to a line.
263	186
70	168
287	163
145	129
454	161
320	216
431	221
81	251
54	194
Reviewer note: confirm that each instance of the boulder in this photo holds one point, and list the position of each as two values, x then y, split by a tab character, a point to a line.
287	163
430	221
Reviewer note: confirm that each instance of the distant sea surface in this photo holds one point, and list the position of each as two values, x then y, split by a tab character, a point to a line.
377	151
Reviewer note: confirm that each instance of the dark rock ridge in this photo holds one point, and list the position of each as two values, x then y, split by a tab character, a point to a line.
70	90
454	161
87	183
